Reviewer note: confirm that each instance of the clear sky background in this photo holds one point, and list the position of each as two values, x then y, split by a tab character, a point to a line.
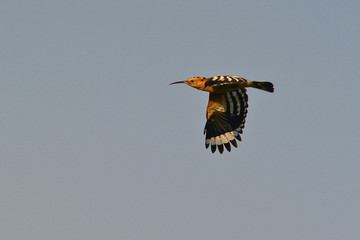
95	144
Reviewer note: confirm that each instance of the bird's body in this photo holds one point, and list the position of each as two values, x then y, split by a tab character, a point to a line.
227	107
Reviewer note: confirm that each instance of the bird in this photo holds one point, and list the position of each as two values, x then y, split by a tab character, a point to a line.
227	107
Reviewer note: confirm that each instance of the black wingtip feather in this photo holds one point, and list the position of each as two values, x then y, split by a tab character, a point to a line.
234	143
213	148
221	148
228	146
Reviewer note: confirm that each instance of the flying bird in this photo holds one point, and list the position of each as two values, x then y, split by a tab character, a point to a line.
226	109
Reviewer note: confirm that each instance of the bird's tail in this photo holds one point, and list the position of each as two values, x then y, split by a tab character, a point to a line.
266	86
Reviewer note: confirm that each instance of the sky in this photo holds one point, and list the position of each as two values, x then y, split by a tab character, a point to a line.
95	144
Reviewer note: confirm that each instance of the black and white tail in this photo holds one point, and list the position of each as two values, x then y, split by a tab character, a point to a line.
266	86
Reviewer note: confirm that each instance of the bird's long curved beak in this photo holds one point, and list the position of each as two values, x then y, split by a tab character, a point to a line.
177	82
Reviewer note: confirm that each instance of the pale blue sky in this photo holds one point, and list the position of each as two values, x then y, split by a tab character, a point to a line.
96	145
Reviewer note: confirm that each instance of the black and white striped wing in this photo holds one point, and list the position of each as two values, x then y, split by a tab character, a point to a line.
224	80
222	127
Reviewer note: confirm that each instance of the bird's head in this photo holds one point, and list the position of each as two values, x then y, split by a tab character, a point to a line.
195	82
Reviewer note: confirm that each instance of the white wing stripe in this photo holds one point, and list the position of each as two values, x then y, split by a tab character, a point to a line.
230	103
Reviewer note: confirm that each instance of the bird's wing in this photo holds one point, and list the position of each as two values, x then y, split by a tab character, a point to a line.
224	80
225	123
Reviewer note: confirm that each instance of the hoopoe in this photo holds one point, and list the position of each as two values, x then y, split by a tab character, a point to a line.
226	109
